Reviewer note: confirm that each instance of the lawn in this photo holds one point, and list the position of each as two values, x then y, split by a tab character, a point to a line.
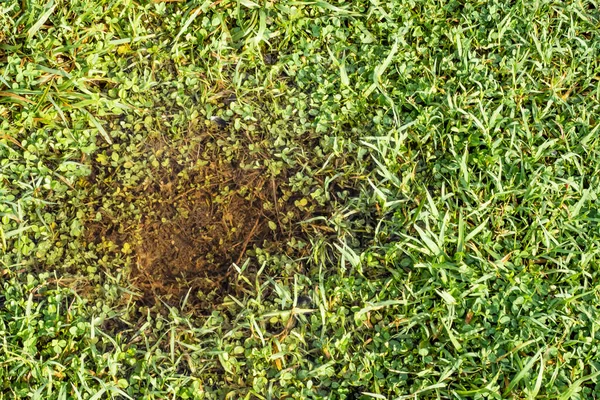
293	199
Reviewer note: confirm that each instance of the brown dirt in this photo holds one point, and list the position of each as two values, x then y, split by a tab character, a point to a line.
190	242
196	221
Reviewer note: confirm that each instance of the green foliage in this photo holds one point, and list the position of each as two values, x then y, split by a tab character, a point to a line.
456	143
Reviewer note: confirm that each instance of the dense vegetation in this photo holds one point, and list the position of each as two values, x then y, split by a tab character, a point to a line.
386	199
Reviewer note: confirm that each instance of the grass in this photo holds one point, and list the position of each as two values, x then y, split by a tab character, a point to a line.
445	156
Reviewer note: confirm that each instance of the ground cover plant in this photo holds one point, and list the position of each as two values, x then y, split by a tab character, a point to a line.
299	199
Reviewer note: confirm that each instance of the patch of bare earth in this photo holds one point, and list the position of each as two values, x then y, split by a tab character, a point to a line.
196	220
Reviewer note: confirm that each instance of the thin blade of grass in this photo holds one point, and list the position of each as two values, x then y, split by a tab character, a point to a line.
42	20
98	126
522	373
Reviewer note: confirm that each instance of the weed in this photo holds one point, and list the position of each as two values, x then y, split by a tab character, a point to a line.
433	231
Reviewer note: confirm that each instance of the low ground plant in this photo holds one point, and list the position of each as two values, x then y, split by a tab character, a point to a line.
299	199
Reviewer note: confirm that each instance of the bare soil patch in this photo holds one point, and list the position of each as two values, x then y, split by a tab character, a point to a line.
195	215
